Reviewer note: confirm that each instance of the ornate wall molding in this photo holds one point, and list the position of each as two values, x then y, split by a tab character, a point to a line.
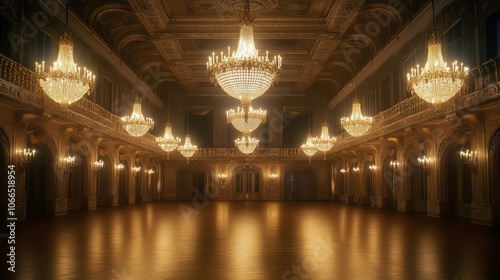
4	142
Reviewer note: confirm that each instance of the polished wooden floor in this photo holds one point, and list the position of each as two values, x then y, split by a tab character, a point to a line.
253	240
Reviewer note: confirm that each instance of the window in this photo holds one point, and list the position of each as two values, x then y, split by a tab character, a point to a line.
385	93
200	127
5	45
37	49
454	48
408	65
292	124
493	35
367	104
104	97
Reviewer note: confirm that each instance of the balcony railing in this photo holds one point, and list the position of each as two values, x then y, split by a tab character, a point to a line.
19	84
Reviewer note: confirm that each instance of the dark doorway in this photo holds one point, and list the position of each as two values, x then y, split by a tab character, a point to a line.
37	181
299	185
123	184
103	184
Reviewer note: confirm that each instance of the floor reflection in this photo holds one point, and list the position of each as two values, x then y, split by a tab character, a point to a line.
253	240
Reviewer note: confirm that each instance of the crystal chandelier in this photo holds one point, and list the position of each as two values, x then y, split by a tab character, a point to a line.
168	142
244	74
246	119
65	82
309	148
357	124
246	144
324	143
436	82
136	125
187	150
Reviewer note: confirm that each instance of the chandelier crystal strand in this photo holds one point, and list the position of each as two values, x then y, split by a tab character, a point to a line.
244	74
168	142
187	150
309	148
65	82
136	125
246	119
357	124
324	143
246	144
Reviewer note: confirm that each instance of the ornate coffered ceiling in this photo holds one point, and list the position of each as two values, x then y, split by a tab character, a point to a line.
319	40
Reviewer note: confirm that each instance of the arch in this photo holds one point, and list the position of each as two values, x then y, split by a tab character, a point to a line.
494	171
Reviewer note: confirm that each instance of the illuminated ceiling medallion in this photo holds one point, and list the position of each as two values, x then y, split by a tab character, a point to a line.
246	119
168	142
187	150
246	144
65	82
436	82
244	74
357	124
136	125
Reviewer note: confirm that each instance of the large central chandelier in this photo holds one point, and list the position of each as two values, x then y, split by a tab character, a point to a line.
357	124
324	143
244	74
168	142
246	119
136	125
187	150
246	144
436	82
65	82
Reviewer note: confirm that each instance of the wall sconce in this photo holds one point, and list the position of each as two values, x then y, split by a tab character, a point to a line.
222	178
136	169
355	169
372	167
120	167
24	157
99	164
425	162
69	161
149	171
394	164
469	158
273	176
344	170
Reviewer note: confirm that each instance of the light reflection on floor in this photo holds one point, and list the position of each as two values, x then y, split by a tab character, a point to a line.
254	240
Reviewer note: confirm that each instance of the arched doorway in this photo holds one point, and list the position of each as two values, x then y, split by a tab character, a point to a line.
39	178
123	183
457	189
248	183
300	185
77	182
103	183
